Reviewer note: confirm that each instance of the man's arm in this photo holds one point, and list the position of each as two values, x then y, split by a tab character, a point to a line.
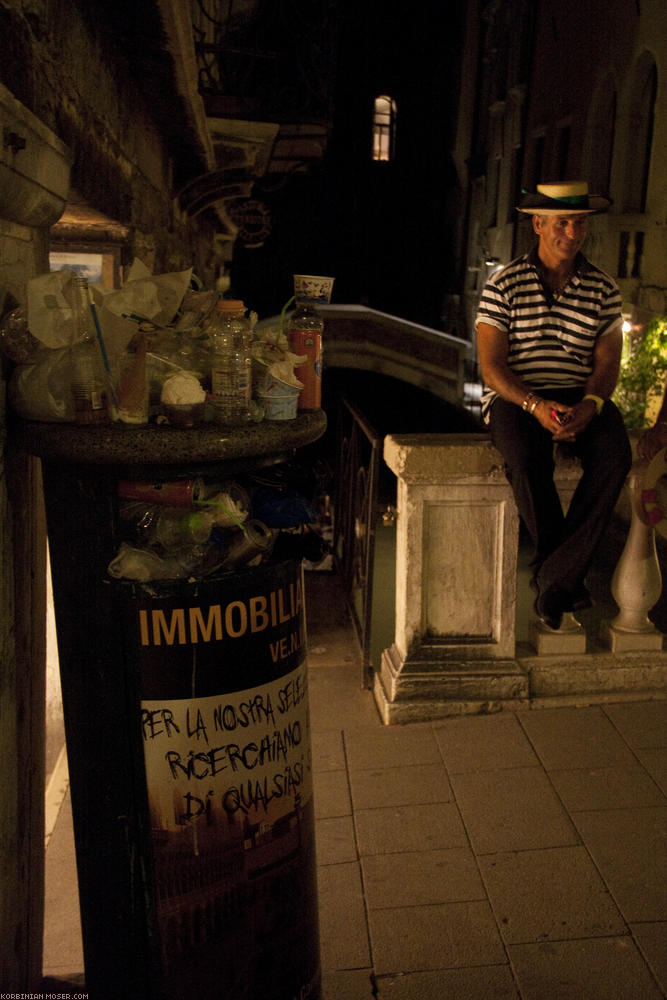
493	350
606	364
601	382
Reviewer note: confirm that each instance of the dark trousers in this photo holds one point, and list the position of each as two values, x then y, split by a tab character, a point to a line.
564	544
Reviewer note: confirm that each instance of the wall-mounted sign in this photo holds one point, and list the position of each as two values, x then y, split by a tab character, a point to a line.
253	219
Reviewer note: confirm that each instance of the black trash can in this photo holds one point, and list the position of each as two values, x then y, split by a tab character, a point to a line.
188	742
226	736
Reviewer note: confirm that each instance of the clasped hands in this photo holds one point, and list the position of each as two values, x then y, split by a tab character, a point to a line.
565	422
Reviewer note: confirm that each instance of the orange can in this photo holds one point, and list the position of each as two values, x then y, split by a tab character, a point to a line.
179	493
308	342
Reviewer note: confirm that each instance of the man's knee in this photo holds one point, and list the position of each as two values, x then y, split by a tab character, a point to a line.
607	449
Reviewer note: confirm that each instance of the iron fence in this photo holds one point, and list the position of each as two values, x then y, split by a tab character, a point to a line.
355	515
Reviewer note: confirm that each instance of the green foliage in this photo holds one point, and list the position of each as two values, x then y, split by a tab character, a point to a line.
643	373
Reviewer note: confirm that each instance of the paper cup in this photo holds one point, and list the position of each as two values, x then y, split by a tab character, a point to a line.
313	288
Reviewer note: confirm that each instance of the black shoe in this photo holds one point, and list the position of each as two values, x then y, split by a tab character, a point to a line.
580	599
549	607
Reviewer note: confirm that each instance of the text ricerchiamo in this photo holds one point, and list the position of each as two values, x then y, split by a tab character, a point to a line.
236	753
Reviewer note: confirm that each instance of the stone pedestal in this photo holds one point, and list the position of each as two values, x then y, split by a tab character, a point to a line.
569	638
456	551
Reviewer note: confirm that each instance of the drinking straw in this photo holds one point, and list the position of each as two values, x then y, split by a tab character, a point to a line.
105	357
164	361
284	310
135	318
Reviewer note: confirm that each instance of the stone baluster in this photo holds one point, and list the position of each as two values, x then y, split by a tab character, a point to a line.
637	581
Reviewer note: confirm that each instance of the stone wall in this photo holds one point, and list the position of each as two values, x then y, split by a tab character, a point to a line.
80	100
82	71
531	112
30	198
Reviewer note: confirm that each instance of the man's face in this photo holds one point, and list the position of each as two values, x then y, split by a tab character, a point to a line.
561	236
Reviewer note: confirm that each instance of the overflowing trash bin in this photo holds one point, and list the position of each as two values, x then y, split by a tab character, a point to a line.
179	606
182	643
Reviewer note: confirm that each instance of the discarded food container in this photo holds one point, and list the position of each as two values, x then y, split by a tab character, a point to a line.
184	415
183	401
280	400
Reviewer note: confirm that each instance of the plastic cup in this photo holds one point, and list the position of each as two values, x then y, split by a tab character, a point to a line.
132	392
279	407
280	400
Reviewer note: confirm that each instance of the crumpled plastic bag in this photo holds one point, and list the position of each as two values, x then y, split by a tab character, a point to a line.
141	565
16	341
196	308
144	296
274	360
42	391
49	298
230	506
283	371
49	313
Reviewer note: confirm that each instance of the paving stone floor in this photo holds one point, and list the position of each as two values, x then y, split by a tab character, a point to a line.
518	855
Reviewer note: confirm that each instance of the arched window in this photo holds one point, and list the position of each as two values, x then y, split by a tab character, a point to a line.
644	92
384	128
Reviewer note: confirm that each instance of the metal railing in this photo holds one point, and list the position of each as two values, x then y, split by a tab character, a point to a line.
355	512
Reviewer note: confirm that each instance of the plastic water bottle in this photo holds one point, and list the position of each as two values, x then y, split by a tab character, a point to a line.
231	363
152	526
174	529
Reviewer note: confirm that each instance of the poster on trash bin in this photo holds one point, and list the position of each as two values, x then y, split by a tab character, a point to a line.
226	737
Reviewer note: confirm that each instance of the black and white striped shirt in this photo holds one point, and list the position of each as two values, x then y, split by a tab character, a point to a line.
551	340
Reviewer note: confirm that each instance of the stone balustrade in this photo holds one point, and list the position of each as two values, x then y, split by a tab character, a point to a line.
455	648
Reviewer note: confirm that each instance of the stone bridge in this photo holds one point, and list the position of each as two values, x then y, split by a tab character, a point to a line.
356	337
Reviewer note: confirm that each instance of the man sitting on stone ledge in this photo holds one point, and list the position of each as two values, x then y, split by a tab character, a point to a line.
549	342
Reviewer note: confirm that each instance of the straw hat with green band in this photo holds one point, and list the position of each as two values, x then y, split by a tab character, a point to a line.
563	198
